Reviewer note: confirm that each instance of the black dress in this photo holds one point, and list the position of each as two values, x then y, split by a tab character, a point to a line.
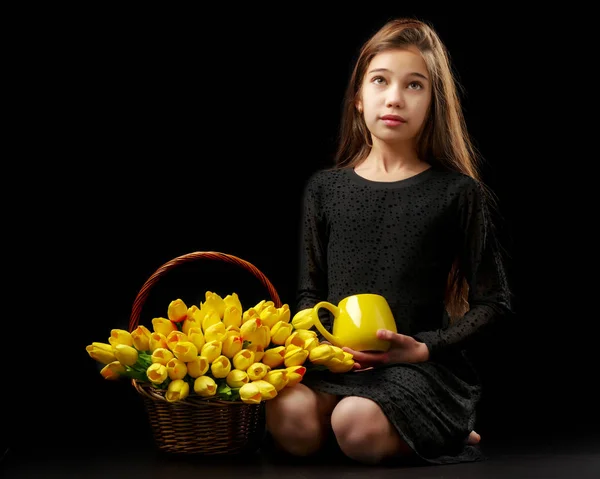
399	239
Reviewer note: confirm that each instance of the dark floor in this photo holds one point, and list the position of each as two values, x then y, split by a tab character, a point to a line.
547	458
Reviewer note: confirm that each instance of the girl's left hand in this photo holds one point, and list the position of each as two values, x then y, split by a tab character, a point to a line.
403	349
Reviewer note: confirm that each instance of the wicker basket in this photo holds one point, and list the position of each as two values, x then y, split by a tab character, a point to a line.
198	425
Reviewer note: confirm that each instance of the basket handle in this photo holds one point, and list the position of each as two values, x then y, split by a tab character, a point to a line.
215	255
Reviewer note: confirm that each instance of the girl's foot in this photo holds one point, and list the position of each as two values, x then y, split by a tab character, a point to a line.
473	438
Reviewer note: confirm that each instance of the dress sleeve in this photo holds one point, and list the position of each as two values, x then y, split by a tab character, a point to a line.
312	281
481	264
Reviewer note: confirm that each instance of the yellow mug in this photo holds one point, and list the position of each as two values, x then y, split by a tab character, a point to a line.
356	320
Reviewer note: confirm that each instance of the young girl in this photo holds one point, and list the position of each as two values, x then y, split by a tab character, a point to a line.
402	214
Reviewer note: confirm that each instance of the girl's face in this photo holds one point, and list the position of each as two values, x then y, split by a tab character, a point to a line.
395	95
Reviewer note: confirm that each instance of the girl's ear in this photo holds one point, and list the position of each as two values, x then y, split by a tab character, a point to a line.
358	106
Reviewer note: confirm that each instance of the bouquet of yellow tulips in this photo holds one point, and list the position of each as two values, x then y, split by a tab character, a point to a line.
217	349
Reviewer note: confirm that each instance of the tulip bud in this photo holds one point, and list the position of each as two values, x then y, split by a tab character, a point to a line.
158	340
232	316
126	355
205	386
336	365
294	339
101	352
191	321
163	326
176	369
140	337
215	302
177	311
177	390
338	352
295	375
284	313
258	307
274	357
215	332
120	336
232	344
161	356
232	300
249	327
157	373
250	393
280	332
112	371
196	336
211	350
306	334
243	359
220	367
269	316
278	378
303	319
258	351
294	356
257	371
260	337
185	350
174	337
321	354
267	390
198	366
249	314
237	378
311	343
211	318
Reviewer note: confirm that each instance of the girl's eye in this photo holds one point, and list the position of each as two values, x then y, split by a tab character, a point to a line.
415	85
378	80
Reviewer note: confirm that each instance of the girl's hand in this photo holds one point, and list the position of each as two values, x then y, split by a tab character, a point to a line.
403	349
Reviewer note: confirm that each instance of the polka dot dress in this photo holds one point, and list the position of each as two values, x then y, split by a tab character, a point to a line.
399	239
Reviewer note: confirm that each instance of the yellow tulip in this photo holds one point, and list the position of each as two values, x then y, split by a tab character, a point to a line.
250	314
232	316
278	378
176	369
250	326
336	365
250	393
284	313
112	370
185	350
157	373
232	344
295	375
158	340
321	354
267	390
243	359
258	307
126	355
220	367
196	336
174	337
191	321
306	334
258	351
198	366
280	332
294	356
237	378
163	326
311	343
120	336
177	311
232	300
177	390
141	338
295	340
212	317
205	386
211	350
338	352
260	337
101	352
161	356
269	316
257	371
215	332
274	357
215	302
303	319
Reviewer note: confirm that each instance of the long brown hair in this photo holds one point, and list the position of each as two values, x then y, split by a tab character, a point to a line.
443	139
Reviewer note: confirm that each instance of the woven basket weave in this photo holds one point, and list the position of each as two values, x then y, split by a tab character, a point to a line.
198	425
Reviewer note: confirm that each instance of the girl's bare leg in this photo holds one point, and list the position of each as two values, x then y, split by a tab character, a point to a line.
299	419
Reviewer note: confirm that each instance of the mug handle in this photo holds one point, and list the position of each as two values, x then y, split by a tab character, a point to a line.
317	322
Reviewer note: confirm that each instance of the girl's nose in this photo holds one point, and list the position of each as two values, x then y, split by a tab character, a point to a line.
395	98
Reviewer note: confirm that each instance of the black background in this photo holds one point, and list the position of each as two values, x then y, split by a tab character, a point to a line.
154	134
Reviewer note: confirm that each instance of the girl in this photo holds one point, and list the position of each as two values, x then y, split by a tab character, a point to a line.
402	214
